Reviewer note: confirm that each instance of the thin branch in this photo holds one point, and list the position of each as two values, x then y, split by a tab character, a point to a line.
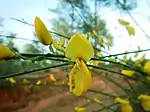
22	21
31	71
118	73
13	37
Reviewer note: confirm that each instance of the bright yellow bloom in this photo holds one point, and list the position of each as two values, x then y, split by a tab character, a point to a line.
123	22
128	72
130	29
80	109
38	82
79	49
62	42
11	80
5	52
147	67
94	33
42	32
97	100
52	78
145	102
125	105
100	40
87	100
57	46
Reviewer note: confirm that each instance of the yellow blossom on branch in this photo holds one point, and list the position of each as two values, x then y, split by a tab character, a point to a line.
42	32
52	78
125	105
147	67
128	72
145	102
5	52
79	109
80	50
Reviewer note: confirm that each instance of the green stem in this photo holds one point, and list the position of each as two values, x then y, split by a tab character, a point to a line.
103	93
117	73
117	63
31	71
125	53
106	107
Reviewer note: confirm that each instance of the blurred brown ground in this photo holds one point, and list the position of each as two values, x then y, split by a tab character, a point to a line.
53	99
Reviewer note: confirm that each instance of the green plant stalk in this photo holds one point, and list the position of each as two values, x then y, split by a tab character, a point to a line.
114	104
121	87
117	73
31	71
103	93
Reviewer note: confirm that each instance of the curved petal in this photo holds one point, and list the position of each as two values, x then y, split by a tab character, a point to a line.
42	32
79	47
79	81
6	53
87	76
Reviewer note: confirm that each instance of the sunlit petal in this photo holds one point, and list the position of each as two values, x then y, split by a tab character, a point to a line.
87	76
42	32
79	47
5	52
147	67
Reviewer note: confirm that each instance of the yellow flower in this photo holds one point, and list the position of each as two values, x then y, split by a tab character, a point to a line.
128	72
100	40
145	102
52	78
6	53
125	105
87	100
80	109
11	80
38	82
57	46
147	67
62	42
42	32
79	49
94	33
97	100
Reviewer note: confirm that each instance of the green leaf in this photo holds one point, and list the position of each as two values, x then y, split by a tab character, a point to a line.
130	30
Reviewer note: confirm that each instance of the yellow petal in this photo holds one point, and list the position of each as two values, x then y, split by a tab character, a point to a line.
42	32
126	108
122	101
130	30
97	100
11	80
123	22
100	40
80	109
5	52
87	76
57	46
62	41
128	72
79	47
147	67
72	73
38	82
79	82
52	78
145	102
87	100
94	33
